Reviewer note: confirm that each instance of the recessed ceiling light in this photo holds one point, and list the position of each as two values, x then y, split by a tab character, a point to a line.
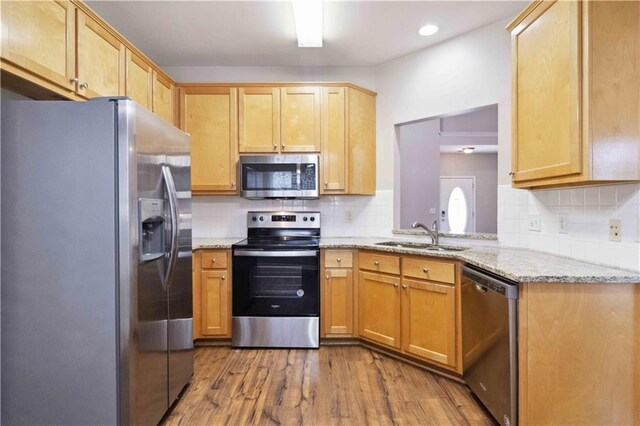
307	15
467	149
427	30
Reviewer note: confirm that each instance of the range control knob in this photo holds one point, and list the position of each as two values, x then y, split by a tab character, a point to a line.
313	219
261	218
304	218
254	218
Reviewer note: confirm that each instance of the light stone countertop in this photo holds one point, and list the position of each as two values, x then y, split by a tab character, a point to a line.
470	236
520	265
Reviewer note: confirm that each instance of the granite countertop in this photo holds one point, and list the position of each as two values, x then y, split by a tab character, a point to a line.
520	265
471	236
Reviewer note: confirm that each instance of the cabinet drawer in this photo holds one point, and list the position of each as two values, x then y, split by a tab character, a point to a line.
214	260
338	259
379	262
428	269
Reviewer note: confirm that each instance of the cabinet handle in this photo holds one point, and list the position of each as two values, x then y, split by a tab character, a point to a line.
327	277
275	146
395	285
425	270
233	184
84	85
326	184
74	80
376	263
339	260
224	278
283	146
404	286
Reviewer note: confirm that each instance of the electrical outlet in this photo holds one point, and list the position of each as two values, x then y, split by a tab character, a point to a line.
534	222
614	230
348	217
563	223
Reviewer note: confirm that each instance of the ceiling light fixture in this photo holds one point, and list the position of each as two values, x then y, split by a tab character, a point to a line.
307	15
467	149
429	29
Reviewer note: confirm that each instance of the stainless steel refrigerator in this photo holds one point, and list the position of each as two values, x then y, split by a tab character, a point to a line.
96	263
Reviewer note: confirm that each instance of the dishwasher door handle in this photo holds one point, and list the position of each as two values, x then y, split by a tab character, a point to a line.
481	289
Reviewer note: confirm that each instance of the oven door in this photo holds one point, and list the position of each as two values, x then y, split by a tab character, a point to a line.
276	283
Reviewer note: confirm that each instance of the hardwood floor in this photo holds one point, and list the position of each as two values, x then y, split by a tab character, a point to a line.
335	385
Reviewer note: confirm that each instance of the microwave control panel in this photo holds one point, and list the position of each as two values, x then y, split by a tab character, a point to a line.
308	177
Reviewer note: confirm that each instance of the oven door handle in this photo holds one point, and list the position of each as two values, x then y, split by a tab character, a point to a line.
274	253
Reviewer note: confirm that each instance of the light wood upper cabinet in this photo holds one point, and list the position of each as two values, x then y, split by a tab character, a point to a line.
333	177
209	115
259	119
215	302
337	309
300	119
576	93
163	97
379	308
101	59
138	79
429	321
362	142
39	37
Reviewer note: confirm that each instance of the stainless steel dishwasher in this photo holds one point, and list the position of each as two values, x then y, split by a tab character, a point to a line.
490	341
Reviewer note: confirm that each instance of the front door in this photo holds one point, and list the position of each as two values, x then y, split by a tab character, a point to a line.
457	204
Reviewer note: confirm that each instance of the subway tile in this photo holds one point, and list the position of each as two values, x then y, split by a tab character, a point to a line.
607	195
591	197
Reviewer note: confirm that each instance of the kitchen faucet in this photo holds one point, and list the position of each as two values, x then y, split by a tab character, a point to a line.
433	231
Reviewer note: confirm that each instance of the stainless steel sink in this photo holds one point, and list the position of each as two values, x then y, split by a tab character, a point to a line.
420	246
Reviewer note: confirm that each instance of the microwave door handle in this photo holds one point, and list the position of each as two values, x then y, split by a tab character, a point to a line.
298	181
173	209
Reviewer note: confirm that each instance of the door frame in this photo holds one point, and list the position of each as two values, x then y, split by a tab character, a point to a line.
473	196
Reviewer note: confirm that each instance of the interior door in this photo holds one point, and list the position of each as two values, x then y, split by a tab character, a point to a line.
457	204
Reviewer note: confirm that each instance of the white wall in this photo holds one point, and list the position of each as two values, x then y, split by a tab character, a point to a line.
588	211
362	76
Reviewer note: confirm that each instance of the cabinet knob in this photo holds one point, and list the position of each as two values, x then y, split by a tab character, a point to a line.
326	184
74	80
224	278
425	270
511	173
213	260
84	85
376	263
327	277
233	184
395	285
275	146
283	146
404	286
339	260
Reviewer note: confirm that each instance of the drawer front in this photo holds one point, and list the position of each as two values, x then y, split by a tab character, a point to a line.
379	262
338	259
214	259
428	269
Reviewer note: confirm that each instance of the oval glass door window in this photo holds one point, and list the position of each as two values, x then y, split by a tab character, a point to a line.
457	211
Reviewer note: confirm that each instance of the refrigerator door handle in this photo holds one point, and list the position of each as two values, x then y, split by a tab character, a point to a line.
173	207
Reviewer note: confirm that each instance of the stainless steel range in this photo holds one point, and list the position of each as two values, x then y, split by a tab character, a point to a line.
276	283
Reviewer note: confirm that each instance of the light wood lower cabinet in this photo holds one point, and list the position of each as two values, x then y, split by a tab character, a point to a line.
429	321
419	317
337	307
379	308
212	294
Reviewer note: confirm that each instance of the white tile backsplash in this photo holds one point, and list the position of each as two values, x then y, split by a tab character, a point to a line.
588	210
226	216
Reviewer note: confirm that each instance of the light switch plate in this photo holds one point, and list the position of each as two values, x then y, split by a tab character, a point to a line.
534	222
615	231
563	223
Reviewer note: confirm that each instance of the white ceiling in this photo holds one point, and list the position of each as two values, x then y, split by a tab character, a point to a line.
262	33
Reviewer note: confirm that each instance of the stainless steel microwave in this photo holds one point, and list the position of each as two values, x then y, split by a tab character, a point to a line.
279	176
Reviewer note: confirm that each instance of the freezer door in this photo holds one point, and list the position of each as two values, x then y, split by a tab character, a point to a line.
143	295
178	160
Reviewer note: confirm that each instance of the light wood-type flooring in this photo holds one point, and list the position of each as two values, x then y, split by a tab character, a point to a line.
335	385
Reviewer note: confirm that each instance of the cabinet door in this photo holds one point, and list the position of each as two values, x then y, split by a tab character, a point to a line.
209	115
334	141
259	119
547	80
40	36
138	79
215	303
362	142
101	60
338	303
379	308
163	97
300	119
429	321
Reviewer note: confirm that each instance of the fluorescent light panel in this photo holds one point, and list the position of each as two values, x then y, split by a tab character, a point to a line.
308	18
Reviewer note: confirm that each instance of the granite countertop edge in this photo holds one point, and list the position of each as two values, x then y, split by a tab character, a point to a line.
476	256
468	236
